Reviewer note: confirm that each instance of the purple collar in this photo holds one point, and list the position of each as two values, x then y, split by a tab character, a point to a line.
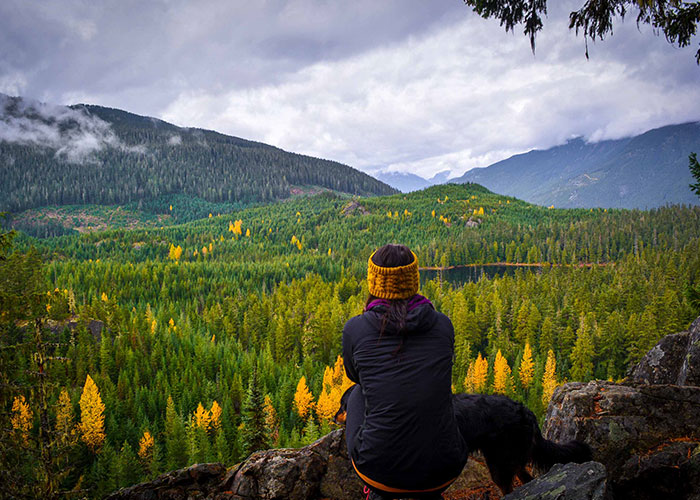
415	301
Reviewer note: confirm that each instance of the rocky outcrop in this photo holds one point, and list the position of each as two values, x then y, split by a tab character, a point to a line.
320	470
674	360
354	208
648	437
645	431
198	481
566	482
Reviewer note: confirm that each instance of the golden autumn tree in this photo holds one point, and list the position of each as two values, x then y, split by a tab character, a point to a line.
215	413
549	379
325	409
527	367
92	418
271	421
303	399
477	374
146	444
21	418
202	417
501	374
175	252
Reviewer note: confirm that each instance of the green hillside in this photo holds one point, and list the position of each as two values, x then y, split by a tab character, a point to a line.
56	155
169	321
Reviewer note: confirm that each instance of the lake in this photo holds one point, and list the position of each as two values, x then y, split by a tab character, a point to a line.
459	275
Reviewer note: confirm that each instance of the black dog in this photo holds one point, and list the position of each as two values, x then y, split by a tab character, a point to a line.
507	434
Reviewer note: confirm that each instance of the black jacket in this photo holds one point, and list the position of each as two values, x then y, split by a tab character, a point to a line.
409	438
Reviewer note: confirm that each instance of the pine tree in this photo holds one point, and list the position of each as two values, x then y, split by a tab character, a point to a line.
64	418
583	352
549	379
127	467
254	434
175	438
92	417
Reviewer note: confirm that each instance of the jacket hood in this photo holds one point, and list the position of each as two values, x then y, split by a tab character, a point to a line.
421	318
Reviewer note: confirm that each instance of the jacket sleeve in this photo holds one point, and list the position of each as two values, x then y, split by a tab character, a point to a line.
348	360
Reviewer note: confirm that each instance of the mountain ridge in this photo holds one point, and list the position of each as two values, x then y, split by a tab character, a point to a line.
643	171
87	154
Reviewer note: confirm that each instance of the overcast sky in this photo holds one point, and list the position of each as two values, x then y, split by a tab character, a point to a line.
411	85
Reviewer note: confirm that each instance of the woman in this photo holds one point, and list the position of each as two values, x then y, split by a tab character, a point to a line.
401	431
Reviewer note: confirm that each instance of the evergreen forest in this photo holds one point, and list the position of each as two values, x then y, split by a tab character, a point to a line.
129	352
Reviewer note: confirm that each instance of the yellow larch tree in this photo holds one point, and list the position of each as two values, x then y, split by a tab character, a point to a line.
64	416
146	444
215	413
324	407
201	417
303	399
328	379
92	418
527	367
271	422
549	379
477	374
21	418
501	374
175	252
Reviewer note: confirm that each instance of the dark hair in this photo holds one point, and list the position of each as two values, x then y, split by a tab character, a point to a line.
393	256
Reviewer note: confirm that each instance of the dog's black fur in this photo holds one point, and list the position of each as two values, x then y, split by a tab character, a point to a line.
507	434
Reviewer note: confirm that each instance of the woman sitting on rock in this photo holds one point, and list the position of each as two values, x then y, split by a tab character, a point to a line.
401	431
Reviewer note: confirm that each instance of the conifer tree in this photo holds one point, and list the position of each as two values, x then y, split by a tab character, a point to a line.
583	352
64	417
21	420
501	374
303	399
175	438
215	416
527	367
254	435
92	417
549	379
127	467
271	422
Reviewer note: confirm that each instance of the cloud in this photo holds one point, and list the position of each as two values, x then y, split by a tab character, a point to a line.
175	140
397	84
73	134
461	97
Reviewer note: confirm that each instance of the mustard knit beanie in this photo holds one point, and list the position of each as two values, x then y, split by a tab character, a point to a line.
393	282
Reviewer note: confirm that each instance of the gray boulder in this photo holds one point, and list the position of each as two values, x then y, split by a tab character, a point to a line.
648	437
674	360
566	482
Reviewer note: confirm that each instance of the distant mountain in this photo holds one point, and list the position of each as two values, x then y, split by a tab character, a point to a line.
440	177
82	154
645	171
403	181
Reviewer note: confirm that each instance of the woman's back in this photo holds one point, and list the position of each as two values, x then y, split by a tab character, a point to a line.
409	436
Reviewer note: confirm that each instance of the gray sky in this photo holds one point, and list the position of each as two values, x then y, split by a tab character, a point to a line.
409	85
